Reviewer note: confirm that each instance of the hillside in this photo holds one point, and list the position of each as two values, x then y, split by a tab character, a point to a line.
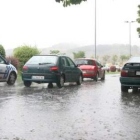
101	50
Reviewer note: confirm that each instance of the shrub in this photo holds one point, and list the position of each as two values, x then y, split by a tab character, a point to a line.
113	68
2	51
14	61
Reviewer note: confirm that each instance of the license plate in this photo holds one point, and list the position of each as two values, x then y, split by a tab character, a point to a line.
137	72
38	77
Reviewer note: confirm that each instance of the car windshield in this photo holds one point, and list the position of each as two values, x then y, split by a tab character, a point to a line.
42	60
84	62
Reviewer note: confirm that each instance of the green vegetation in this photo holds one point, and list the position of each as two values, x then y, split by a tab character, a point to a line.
56	52
117	72
24	53
138	19
79	54
69	2
2	51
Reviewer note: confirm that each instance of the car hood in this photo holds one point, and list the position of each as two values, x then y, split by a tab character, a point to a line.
86	67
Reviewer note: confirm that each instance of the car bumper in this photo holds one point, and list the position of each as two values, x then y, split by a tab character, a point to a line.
54	78
86	75
130	81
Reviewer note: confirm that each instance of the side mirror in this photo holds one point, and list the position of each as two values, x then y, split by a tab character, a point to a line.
8	62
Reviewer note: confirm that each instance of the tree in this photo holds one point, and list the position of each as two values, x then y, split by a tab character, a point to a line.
24	53
79	54
124	57
138	19
69	2
105	58
114	58
54	51
2	51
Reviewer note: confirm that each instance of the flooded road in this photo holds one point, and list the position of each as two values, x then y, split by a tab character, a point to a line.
92	111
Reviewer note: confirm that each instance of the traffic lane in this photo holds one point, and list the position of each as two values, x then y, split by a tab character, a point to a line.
94	110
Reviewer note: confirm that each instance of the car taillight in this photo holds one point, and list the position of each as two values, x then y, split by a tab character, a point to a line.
54	68
124	73
25	68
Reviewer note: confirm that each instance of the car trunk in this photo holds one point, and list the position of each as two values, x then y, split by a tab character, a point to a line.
133	69
86	67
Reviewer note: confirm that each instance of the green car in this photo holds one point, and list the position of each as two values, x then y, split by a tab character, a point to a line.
51	69
130	75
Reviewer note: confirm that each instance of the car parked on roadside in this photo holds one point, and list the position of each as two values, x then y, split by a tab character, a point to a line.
130	75
8	72
91	68
51	69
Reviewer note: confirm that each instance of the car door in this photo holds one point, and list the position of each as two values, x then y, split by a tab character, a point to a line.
3	69
66	69
74	70
100	70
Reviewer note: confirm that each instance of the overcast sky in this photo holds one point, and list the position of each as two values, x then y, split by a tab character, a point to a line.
45	23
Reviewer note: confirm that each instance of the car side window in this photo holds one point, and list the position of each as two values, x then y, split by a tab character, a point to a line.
71	63
64	61
2	61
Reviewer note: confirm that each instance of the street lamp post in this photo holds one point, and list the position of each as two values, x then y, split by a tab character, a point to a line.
95	29
130	34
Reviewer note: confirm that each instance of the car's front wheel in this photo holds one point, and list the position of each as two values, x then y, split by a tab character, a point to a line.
124	88
60	84
27	83
96	77
12	79
103	78
135	89
79	82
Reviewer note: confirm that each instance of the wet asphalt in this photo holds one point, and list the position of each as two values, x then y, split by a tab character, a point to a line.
92	111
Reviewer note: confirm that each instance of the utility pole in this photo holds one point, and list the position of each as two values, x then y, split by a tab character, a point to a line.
129	22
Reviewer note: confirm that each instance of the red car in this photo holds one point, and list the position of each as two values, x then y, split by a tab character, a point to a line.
91	68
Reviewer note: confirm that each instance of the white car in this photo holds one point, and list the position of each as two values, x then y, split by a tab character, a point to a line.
8	72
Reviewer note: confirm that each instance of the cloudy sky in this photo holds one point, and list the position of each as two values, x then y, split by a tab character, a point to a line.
45	23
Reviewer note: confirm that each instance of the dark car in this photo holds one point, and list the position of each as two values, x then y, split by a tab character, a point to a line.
51	69
130	75
91	68
8	72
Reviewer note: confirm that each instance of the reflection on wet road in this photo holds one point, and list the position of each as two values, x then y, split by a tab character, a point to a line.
92	111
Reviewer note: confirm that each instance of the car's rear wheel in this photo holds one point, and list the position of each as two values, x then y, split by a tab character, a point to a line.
79	82
135	89
103	78
124	88
12	79
27	83
50	85
96	77
60	84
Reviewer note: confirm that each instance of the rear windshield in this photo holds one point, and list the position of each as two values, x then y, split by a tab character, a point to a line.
84	62
132	64
43	60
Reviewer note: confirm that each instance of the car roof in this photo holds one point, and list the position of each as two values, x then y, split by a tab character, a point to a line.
85	59
50	55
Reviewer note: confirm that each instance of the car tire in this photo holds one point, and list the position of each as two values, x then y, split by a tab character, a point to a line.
96	77
80	79
60	84
50	85
12	78
103	78
124	88
27	83
135	89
